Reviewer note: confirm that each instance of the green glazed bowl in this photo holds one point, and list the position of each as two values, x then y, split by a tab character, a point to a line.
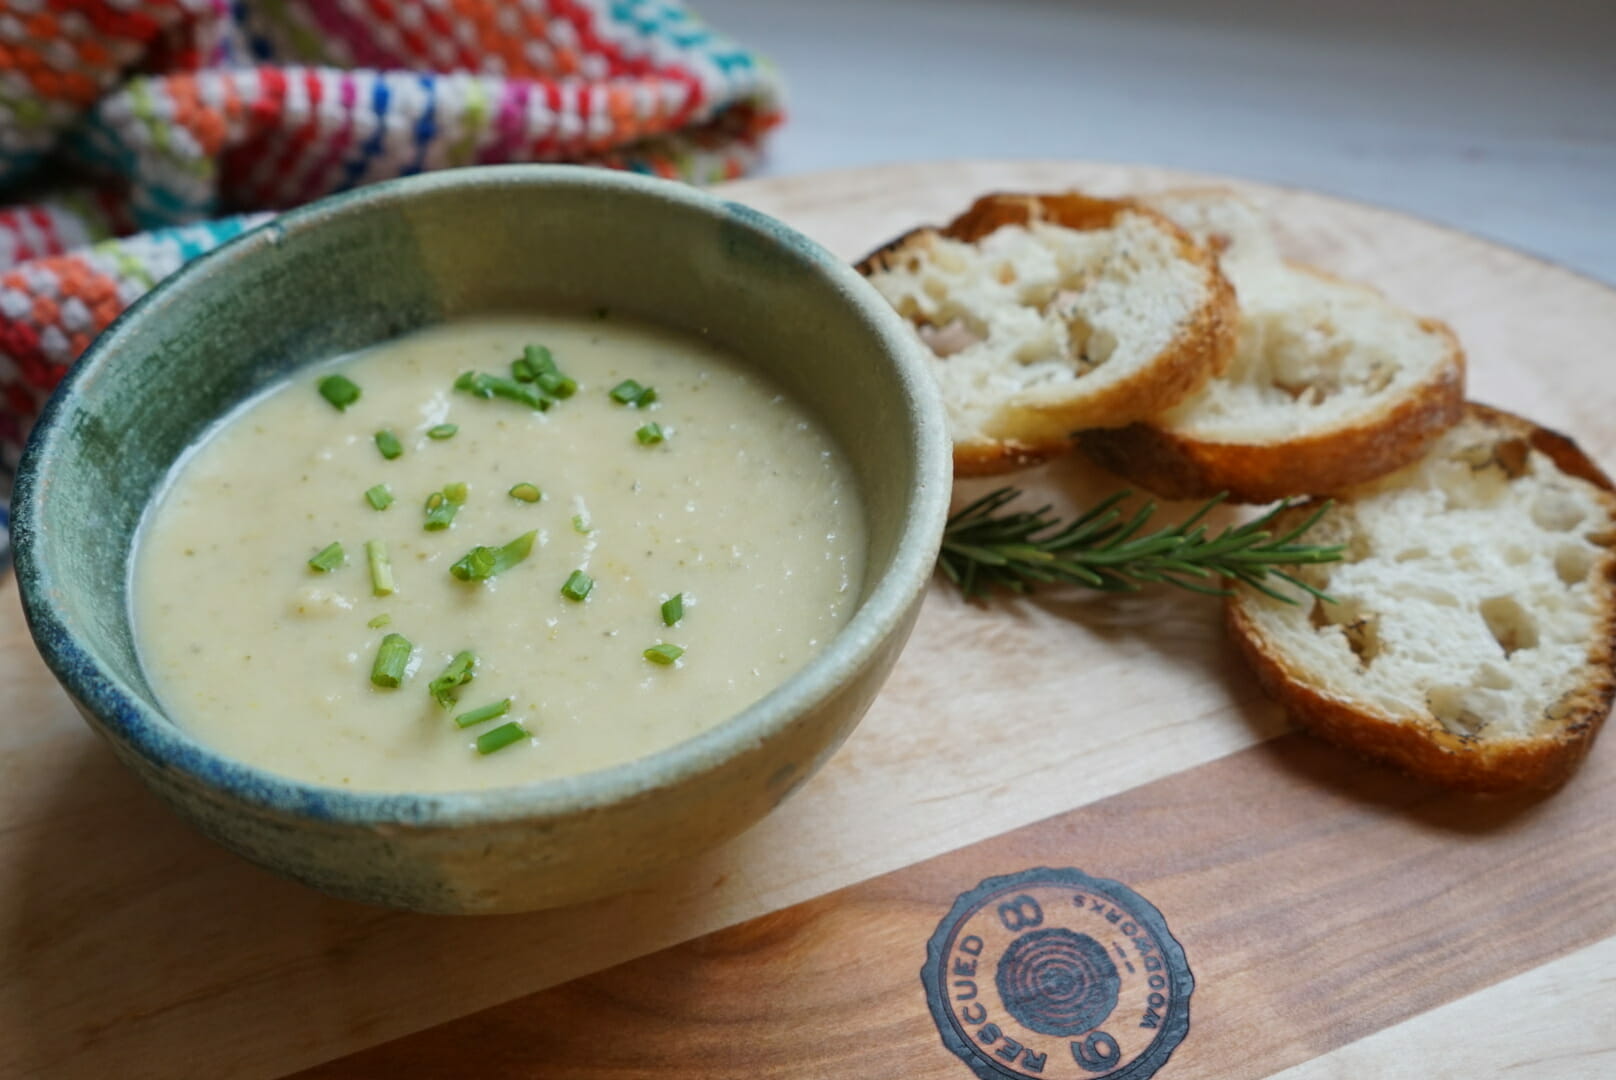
362	267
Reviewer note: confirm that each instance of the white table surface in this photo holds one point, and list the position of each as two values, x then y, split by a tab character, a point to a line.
1495	116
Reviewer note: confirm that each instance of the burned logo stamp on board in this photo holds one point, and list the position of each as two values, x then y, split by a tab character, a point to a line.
1053	973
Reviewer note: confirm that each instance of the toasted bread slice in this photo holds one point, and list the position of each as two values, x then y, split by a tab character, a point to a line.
1051	313
1472	639
1332	384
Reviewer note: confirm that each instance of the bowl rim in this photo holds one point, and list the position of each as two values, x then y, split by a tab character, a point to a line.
121	714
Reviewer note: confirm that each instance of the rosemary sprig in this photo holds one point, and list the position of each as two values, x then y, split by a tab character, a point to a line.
984	549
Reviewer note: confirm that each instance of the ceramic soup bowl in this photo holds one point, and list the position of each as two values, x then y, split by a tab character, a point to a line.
367	266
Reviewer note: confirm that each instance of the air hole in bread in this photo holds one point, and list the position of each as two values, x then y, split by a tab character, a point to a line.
1357	547
1561	708
1305	393
1511	625
1573	562
1511	456
1556	511
1363	638
1457	708
1380	377
1516	555
1007	274
945	341
1413	553
1360	629
1493	677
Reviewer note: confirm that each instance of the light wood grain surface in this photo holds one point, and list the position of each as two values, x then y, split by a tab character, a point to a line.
1318	901
130	947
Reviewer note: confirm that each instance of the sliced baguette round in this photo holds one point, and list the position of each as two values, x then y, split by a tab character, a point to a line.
1473	642
1331	384
1051	313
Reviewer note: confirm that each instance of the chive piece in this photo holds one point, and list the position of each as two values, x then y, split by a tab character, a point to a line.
557	384
577	586
473	383
379	497
461	670
482	563
538	365
381	568
339	390
528	493
500	737
486	712
329	558
663	653
442	431
442	505
391	660
581	526
485	386
673	609
650	434
388	444
380	621
627	392
646	397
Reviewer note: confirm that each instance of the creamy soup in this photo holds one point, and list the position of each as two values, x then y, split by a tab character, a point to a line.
616	571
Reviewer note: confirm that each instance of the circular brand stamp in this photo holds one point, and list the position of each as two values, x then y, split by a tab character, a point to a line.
1053	973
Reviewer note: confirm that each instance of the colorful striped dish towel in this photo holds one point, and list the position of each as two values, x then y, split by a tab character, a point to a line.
138	134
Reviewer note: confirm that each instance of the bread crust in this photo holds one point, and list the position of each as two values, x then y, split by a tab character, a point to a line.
1422	747
1201	350
1178	466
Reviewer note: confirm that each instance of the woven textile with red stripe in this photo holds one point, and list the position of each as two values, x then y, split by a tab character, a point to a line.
137	134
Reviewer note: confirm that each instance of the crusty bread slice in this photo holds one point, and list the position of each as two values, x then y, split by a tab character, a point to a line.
1331	385
1051	313
1472	638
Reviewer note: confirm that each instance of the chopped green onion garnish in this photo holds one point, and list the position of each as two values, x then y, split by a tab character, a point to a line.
482	563
673	609
380	621
647	396
379	497
627	392
329	558
580	525
487	712
442	431
557	385
339	390
528	493
391	660
577	586
663	653
381	568
650	434
485	386
441	506
388	444
461	670
500	737
536	365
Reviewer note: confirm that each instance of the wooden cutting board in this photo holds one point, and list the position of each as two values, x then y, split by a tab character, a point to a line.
1040	782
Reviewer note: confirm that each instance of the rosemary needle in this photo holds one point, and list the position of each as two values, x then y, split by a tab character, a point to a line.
984	549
